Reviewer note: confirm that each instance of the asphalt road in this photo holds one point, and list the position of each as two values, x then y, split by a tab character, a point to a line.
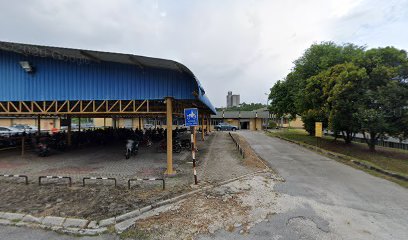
325	199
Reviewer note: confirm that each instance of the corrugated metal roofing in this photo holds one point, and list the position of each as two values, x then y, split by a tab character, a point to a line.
74	74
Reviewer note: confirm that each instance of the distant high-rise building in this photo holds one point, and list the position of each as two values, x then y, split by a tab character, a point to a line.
233	100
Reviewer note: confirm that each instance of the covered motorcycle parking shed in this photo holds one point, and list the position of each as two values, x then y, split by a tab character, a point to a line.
44	81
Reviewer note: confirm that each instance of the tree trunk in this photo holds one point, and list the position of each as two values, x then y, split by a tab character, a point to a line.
372	142
347	137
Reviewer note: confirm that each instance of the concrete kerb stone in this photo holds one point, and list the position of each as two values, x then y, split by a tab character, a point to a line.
107	222
75	223
31	219
51	221
5	222
13	216
93	225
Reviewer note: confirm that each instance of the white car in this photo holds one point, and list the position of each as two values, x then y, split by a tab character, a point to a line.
26	128
10	131
148	126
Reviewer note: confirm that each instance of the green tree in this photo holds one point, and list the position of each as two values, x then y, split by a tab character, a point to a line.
384	100
343	90
281	100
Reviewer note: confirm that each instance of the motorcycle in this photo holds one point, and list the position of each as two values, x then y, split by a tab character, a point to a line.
132	148
186	144
176	146
43	150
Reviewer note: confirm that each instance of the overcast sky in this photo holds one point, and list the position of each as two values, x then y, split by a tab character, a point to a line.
243	46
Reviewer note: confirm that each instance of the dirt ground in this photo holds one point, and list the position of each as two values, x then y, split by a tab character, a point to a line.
92	202
236	206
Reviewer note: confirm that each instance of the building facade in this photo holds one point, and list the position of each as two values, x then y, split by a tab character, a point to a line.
251	120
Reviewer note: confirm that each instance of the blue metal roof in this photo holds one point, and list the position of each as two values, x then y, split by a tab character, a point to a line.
72	74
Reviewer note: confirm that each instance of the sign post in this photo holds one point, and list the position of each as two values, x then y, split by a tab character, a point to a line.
191	120
318	131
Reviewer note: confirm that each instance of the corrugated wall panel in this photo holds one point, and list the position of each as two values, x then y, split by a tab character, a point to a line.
64	80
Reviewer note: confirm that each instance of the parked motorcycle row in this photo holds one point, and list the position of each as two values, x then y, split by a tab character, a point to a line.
133	139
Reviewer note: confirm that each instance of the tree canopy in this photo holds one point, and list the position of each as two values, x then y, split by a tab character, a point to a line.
244	107
349	89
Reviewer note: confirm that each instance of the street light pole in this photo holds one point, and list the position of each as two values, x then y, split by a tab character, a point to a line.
267	119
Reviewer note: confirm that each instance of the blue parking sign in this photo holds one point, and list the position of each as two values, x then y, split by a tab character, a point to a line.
191	117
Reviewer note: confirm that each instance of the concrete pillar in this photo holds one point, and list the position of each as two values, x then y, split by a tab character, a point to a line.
169	115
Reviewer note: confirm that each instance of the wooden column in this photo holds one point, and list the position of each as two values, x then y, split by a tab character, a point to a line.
38	125
208	123
79	124
69	140
202	127
104	123
140	123
169	114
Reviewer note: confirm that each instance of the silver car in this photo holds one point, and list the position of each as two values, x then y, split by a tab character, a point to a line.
10	131
26	128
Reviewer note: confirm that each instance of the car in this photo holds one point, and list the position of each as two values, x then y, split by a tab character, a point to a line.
148	126
10	131
26	128
225	126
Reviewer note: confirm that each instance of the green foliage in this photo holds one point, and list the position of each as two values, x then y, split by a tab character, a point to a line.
281	99
349	89
272	124
244	107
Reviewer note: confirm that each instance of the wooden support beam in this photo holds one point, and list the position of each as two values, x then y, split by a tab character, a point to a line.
69	139
202	127
169	171
38	125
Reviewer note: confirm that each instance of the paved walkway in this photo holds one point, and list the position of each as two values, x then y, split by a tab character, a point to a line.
222	148
325	199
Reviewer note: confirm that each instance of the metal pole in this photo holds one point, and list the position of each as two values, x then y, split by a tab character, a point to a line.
192	129
169	112
195	138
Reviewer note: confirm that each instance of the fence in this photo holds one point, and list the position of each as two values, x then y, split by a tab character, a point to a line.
380	142
55	177
98	178
147	179
239	148
16	176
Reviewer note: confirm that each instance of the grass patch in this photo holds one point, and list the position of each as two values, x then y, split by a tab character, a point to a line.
393	160
135	233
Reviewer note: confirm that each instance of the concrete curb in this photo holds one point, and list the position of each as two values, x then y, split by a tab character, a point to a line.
347	158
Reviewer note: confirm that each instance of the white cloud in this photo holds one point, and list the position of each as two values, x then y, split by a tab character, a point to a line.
243	46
